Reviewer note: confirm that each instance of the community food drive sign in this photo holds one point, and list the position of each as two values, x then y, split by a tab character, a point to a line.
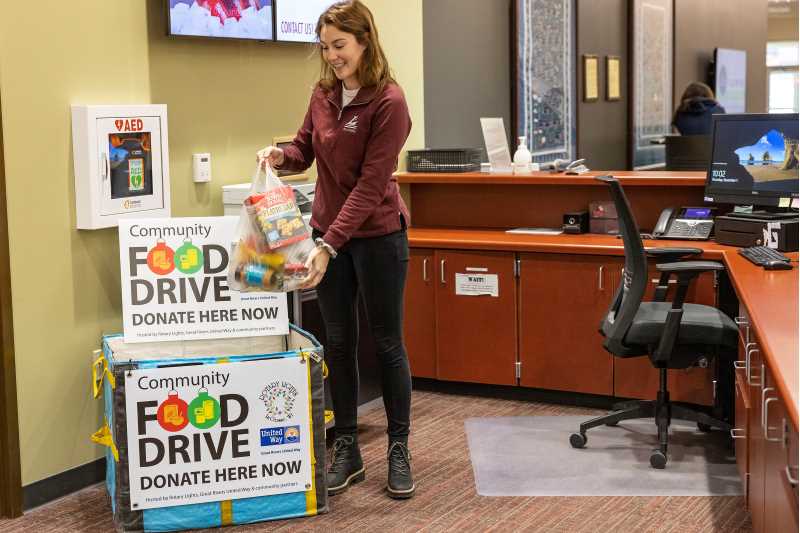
204	433
175	283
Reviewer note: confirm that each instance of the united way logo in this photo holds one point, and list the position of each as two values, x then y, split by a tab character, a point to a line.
279	398
281	435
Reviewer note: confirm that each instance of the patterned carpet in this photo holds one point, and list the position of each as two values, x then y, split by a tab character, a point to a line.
446	498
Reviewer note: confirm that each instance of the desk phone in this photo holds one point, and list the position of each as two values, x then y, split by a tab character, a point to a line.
690	223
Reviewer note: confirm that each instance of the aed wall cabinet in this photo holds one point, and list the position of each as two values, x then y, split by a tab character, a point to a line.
121	163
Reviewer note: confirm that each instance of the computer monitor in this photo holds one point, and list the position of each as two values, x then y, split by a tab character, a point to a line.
754	160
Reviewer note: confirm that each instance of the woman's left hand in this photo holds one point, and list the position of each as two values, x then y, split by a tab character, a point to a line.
317	264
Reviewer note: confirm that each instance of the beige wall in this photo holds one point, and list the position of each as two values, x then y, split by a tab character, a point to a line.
225	97
782	24
702	26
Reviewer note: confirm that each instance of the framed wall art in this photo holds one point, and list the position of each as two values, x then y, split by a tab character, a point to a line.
544	99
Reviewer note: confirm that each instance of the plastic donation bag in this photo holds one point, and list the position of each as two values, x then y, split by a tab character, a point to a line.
273	240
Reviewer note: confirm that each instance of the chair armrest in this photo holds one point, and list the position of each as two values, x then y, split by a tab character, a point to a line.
668	255
686	271
690	266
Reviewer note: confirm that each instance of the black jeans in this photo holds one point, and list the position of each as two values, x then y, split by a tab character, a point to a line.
376	269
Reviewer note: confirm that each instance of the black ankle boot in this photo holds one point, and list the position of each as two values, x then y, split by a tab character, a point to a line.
401	483
346	465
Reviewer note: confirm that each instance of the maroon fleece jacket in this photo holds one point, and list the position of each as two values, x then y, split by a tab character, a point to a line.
356	149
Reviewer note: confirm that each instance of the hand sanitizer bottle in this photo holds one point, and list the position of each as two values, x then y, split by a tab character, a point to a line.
522	158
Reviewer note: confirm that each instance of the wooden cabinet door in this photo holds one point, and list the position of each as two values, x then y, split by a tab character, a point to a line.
741	430
791	471
419	314
562	301
637	378
780	503
476	334
756	444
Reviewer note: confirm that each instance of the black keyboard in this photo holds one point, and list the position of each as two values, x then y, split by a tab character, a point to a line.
761	255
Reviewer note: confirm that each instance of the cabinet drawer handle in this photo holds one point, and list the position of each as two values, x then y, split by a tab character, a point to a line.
749	363
738	433
600	278
764	393
670	282
425	269
792	480
441	271
740	365
766	422
744	325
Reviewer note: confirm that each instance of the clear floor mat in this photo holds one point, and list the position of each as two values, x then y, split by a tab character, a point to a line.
531	456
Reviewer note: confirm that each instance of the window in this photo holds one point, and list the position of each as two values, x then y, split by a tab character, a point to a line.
783	78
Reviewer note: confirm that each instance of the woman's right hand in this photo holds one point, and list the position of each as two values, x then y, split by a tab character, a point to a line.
272	155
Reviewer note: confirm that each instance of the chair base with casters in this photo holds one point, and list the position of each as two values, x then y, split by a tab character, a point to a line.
662	410
673	334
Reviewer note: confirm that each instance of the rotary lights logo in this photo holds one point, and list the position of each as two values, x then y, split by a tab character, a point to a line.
279	398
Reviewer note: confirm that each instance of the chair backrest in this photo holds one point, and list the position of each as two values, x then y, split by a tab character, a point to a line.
629	295
687	152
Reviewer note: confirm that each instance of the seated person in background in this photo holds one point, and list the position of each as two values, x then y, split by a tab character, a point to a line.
693	116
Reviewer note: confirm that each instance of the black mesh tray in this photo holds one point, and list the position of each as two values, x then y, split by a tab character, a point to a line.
444	160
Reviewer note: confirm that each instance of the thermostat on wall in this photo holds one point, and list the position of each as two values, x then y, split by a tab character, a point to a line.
121	163
201	168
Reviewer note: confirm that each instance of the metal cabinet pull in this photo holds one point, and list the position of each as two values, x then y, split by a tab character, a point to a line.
739	365
766	421
735	433
748	362
441	271
792	480
764	393
743	324
600	278
425	269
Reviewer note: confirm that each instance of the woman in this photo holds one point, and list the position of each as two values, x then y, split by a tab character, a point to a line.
355	127
693	116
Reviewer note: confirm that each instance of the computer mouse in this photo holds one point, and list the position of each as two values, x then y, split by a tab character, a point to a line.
777	264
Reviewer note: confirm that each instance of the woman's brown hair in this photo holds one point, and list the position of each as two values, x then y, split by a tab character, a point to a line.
694	90
355	18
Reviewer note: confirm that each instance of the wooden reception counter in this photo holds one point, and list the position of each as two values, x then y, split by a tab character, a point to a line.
540	330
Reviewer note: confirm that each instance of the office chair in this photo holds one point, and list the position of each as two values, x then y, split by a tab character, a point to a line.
673	335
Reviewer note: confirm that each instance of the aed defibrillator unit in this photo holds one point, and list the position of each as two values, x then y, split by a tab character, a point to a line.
121	160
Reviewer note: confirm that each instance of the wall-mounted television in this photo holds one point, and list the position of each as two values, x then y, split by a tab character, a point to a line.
234	19
260	20
730	79
296	20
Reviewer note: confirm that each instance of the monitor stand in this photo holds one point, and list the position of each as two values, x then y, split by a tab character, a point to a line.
765	215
